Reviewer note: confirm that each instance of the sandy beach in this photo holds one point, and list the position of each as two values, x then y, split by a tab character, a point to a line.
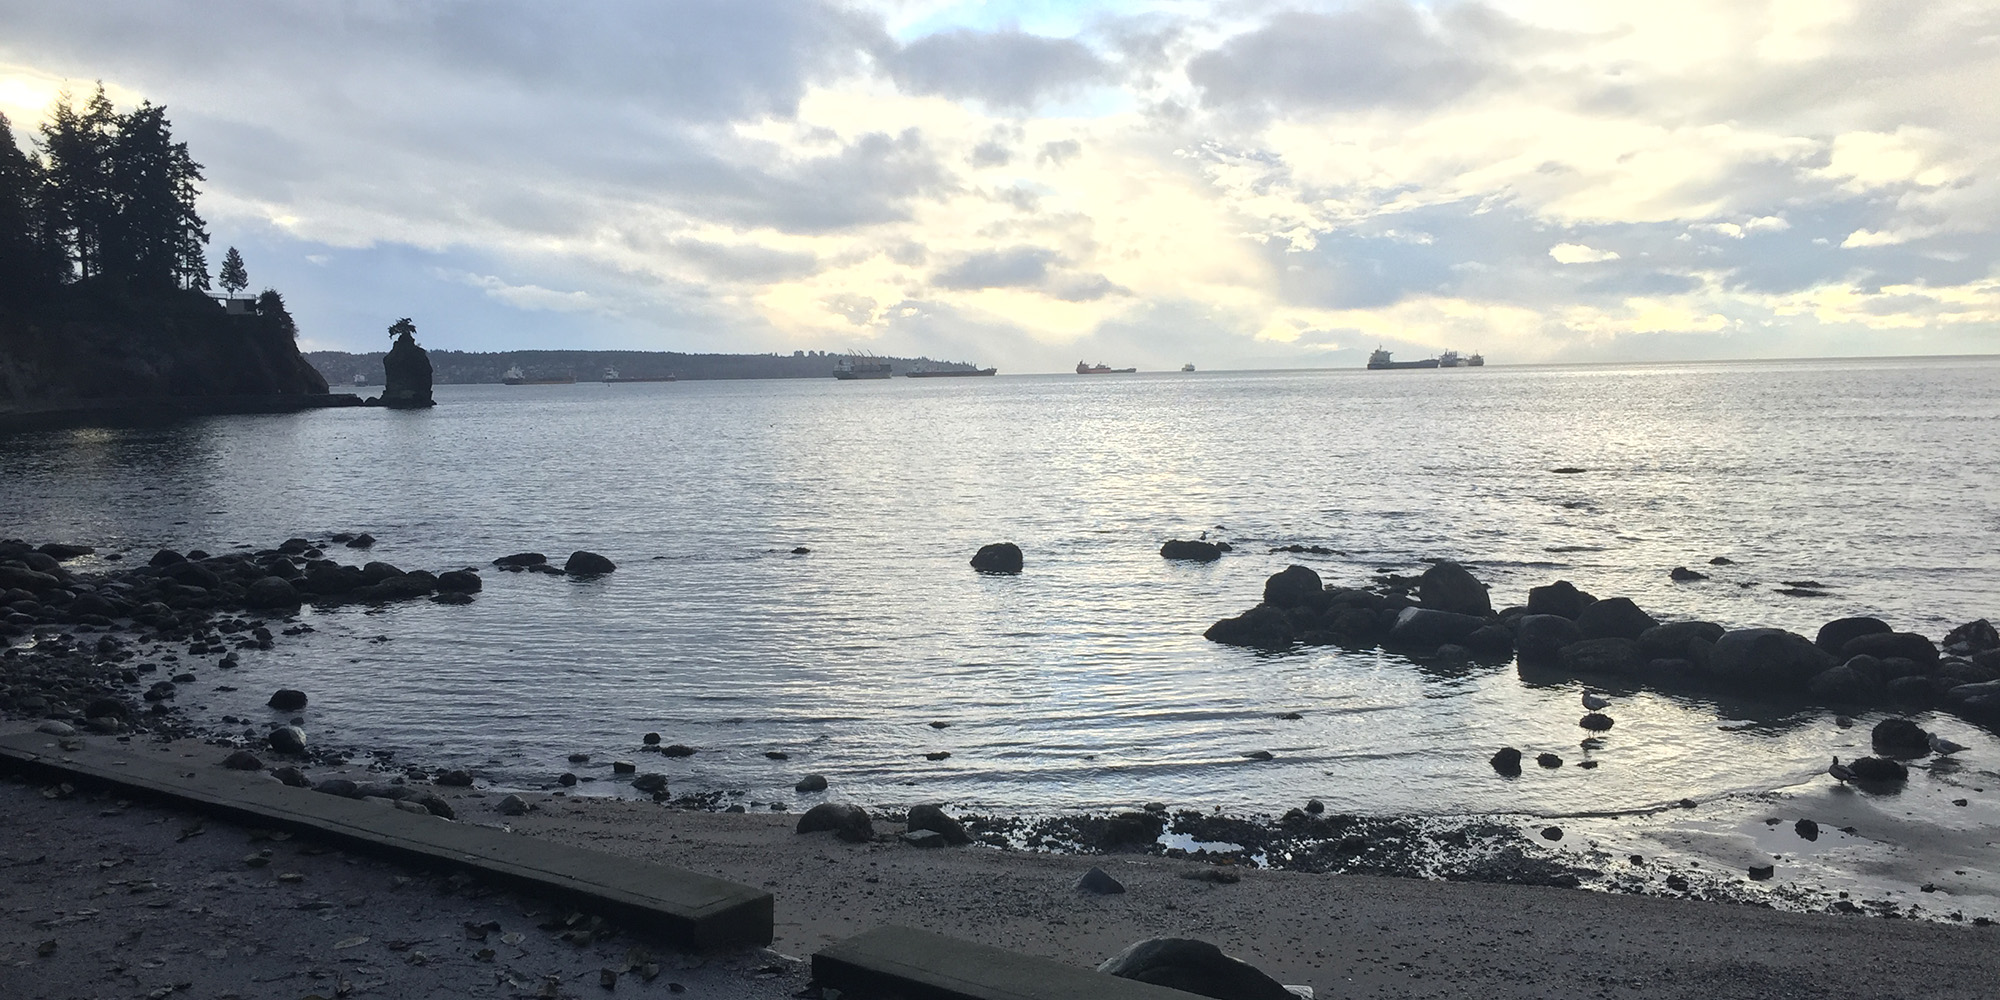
106	880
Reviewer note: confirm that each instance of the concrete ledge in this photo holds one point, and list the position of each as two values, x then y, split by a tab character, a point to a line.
911	964
669	905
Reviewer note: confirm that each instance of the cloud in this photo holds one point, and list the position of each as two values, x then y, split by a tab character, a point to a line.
1577	253
1379	54
1014	267
1003	69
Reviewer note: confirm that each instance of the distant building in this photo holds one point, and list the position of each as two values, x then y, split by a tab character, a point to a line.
238	307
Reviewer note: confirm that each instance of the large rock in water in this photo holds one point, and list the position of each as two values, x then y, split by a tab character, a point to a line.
581	563
1614	618
1263	627
1541	638
1292	586
1766	661
271	592
1194	967
1447	586
999	557
1560	598
1424	628
1908	645
1838	632
1197	551
1610	655
406	375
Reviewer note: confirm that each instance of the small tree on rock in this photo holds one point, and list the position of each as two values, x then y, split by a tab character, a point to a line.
403	328
233	278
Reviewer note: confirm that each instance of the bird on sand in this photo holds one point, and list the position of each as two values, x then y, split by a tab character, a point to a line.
1840	771
1944	747
1595	702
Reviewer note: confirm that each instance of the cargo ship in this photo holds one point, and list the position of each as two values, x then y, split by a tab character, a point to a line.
1380	361
514	376
850	368
1089	369
611	377
950	372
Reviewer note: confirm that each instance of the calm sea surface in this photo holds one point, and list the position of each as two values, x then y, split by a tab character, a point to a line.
1085	681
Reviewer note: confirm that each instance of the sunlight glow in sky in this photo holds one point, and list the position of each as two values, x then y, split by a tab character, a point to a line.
1027	183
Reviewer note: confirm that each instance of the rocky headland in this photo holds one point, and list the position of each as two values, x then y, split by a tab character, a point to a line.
94	353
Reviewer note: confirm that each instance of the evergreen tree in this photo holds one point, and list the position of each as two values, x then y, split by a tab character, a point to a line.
28	265
233	278
79	200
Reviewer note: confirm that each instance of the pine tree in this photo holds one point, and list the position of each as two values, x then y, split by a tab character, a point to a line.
29	266
233	278
79	199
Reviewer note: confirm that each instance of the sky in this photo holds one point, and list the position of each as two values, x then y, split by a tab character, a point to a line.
1234	184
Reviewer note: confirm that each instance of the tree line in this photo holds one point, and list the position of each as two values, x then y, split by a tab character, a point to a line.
105	199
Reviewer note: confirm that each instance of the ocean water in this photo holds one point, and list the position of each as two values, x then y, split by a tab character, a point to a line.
1084	682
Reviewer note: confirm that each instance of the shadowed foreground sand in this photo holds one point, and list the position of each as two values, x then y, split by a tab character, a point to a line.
165	910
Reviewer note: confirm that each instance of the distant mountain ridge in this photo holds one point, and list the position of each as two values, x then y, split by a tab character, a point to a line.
476	367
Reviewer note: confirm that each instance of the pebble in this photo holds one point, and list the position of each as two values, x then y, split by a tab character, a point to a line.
1552	833
777	755
566	779
1549	760
455	779
1762	873
1806	829
677	750
243	760
651	739
624	767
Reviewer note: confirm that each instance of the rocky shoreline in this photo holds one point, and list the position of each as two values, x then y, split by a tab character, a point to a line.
106	652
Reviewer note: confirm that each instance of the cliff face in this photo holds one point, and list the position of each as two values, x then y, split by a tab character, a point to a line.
186	349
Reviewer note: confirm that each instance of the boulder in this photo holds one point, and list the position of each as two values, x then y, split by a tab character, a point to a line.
459	581
1293	586
1837	633
1967	639
811	783
848	822
1096	882
1196	551
1447	586
1424	628
361	541
342	787
999	557
1560	598
165	557
1193	967
1676	640
1490	639
581	563
1907	645
1262	627
243	760
1125	829
1844	684
1506	761
1682	574
1541	638
456	778
21	578
512	805
271	592
289	775
59	550
652	783
1917	690
288	739
521	560
1880	770
1614	618
378	571
1602	656
287	700
1766	661
934	819
1596	722
1899	738
1976	701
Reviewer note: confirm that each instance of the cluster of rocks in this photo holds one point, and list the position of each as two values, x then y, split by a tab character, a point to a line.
579	563
923	826
1446	614
36	589
110	649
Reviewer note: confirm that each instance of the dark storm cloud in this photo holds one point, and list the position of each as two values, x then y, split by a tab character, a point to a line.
1005	69
1379	54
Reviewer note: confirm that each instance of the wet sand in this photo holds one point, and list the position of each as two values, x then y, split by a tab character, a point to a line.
1344	935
